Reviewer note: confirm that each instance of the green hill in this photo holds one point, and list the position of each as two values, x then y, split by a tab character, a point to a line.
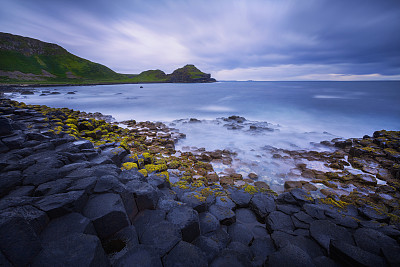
26	60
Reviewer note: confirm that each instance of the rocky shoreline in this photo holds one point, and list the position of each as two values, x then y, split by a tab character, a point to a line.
77	190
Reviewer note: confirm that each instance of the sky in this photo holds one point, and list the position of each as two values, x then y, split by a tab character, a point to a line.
231	39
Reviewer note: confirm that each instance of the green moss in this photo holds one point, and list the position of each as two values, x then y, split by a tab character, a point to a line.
129	166
144	172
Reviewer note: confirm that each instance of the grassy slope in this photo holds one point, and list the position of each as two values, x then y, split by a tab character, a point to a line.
29	55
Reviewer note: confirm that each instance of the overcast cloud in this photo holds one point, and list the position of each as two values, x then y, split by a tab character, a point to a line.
233	40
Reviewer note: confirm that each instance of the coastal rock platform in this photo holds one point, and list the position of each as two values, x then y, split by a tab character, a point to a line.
65	201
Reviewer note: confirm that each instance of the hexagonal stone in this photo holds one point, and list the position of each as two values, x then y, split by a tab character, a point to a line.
373	214
107	213
146	195
36	218
141	255
230	258
315	211
373	241
239	196
323	231
19	242
220	237
147	218
277	220
225	201
224	215
187	219
208	246
66	225
61	204
120	243
185	254
240	233
195	200
73	250
162	236
166	204
208	222
262	204
238	247
261	249
350	255
290	255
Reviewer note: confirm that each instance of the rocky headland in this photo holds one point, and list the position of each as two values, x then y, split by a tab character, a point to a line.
76	189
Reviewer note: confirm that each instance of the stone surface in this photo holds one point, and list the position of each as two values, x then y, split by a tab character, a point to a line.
73	250
277	220
262	204
120	243
60	204
240	197
194	200
208	246
239	233
373	214
230	258
261	248
208	222
162	236
141	255
185	254
350	255
373	241
36	218
224	215
146	195
290	255
107	213
187	219
66	225
18	240
220	236
146	218
323	231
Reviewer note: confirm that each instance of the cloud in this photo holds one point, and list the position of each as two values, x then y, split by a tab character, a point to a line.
314	39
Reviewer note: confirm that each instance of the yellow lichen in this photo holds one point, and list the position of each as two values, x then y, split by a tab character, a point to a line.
129	166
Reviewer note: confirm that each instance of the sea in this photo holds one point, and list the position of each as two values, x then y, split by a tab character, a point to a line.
271	116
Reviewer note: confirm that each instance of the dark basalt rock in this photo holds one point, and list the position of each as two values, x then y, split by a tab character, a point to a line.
350	255
290	255
314	211
5	126
185	254
240	197
240	248
73	250
225	202
220	237
224	215
18	240
187	219
239	233
146	218
230	258
108	184
146	196
194	200
36	218
373	241
162	236
141	255
323	231
120	243
277	220
373	214
208	246
262	204
53	187
208	223
107	213
8	181
261	248
60	204
287	208
67	225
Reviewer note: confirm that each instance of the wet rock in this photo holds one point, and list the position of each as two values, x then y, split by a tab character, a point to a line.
350	255
301	196
373	241
262	204
277	220
290	255
146	195
230	258
146	218
67	225
253	176
73	250
19	242
195	200
5	126
287	198
239	233
224	215
261	248
208	223
162	236
373	213
107	213
60	204
187	219
120	243
239	196
289	185
208	246
140	255
185	254
221	237
323	231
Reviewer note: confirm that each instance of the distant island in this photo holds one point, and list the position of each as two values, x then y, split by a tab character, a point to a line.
28	61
